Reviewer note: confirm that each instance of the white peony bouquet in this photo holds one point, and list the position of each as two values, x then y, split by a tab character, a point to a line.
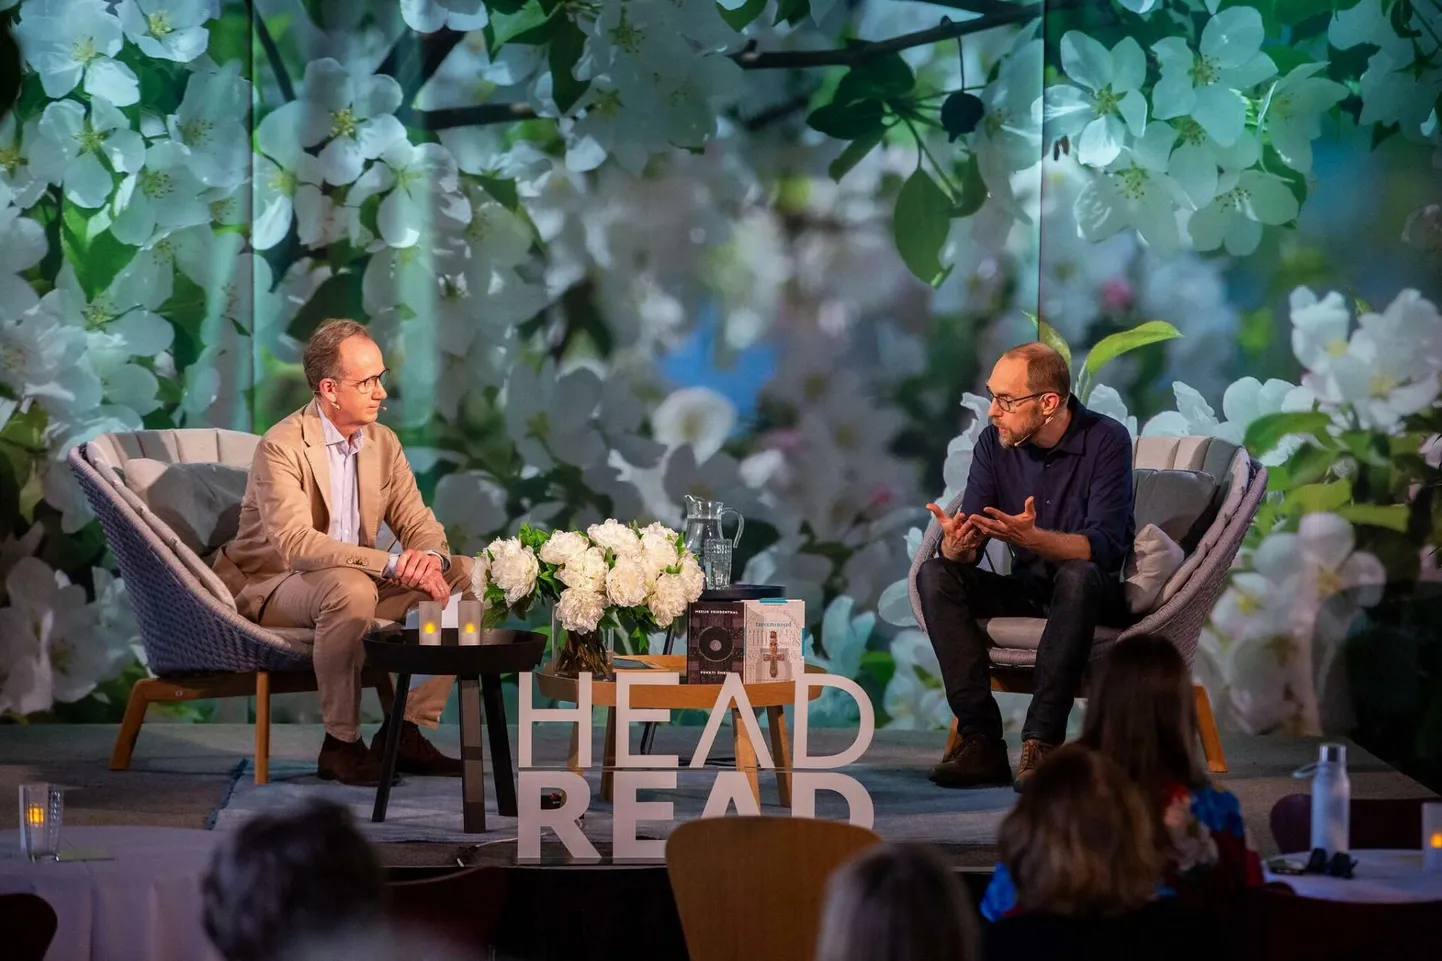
641	578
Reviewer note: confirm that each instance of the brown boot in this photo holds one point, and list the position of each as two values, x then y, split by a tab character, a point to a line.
347	762
1033	754
416	755
979	761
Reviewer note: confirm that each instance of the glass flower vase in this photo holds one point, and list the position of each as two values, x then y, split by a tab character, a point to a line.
579	652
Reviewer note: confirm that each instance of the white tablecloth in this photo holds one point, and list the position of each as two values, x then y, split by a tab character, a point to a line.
142	905
1380	876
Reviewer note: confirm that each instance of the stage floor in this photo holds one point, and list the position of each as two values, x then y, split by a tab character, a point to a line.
183	774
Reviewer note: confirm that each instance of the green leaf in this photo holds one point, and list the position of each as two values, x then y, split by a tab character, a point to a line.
741	17
1113	346
1307	465
502	191
792	11
920	225
1391	516
1367	447
1048	335
855	151
881	78
527	25
1267	431
973	189
1316	498
847	121
1290	12
567	45
504	7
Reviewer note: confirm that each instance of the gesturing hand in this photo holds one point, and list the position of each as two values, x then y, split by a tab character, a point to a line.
1016	529
959	533
414	567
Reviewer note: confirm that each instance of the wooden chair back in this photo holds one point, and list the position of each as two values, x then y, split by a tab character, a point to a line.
463	907
1385	823
749	888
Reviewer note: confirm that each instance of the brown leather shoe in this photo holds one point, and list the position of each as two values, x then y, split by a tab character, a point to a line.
416	755
1033	754
979	761
347	762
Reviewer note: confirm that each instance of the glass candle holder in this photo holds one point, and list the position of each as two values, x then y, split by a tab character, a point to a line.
430	622
1432	836
470	621
42	807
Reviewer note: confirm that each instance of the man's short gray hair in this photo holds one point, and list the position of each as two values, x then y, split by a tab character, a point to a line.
322	350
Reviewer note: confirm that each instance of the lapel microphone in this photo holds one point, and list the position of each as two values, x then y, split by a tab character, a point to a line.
384	407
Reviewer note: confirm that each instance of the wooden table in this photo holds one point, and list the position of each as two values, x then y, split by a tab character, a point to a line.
771	695
478	669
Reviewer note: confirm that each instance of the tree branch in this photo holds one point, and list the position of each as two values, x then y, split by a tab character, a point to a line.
861	53
750	59
272	53
413	59
974	6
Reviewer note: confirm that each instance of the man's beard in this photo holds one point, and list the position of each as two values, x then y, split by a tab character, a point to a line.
1012	439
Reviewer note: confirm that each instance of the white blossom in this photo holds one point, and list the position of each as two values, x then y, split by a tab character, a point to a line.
628	583
1205	84
668	599
66	41
698	416
580	610
585	571
168	29
1099	117
615	537
350	113
71	145
513	568
561	546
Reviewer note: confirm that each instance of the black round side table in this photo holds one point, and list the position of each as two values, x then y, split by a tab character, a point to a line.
478	669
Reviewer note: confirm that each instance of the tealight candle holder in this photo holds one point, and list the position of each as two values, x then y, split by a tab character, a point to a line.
41	811
1432	836
430	622
470	621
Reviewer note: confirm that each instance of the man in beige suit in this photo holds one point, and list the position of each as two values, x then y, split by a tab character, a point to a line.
322	481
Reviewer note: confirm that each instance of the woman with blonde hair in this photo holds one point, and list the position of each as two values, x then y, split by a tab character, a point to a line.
1081	850
897	903
1141	714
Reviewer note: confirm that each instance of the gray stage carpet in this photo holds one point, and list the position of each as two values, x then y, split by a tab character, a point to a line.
907	806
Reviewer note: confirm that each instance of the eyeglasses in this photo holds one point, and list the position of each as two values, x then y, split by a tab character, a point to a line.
1008	404
369	385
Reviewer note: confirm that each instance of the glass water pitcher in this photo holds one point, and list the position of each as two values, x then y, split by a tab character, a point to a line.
708	541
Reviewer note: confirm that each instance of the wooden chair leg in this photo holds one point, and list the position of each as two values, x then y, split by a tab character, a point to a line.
129	731
780	753
262	727
1207	728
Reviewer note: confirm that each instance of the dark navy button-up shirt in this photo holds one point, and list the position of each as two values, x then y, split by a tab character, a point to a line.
1083	485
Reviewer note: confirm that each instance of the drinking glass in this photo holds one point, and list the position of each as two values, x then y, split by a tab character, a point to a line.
716	563
41	810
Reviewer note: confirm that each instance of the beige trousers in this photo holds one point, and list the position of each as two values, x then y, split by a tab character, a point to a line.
340	603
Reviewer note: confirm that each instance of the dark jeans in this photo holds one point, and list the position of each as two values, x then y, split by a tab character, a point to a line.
954	597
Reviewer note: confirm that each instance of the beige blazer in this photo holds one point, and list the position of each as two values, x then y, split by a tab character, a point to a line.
285	515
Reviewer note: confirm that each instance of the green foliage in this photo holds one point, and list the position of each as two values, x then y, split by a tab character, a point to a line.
1267	431
567	45
741	17
1113	346
792	11
920	225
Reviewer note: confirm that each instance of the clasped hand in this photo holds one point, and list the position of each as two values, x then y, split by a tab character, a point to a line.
962	533
421	571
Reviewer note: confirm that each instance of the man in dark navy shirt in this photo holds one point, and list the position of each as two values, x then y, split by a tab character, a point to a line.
1053	480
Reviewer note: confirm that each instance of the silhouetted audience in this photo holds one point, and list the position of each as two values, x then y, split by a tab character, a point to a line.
284	881
897	903
1081	849
1141	714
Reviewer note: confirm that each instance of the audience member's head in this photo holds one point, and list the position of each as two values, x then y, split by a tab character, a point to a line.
1080	841
1140	713
897	903
284	879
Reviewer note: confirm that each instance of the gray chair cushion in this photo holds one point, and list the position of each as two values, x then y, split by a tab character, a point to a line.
1152	561
1024	633
1183	503
200	502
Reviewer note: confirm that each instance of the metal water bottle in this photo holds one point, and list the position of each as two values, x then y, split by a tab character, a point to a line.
1331	800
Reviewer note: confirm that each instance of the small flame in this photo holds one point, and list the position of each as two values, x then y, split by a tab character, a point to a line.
35	814
430	627
1436	839
470	628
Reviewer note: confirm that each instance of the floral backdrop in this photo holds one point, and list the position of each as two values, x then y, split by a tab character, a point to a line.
763	250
